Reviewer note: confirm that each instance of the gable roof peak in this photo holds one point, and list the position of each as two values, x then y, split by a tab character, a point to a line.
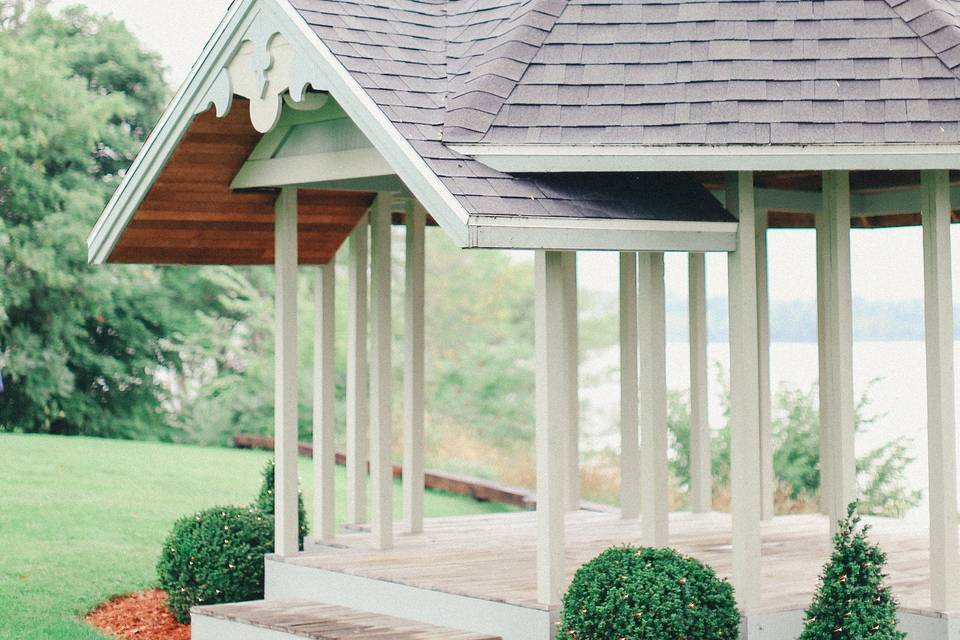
937	24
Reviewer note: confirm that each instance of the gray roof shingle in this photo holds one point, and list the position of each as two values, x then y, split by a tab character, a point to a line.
648	72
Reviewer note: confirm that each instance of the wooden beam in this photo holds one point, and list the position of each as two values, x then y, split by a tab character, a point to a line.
314	168
381	376
941	407
744	403
836	344
414	439
701	476
768	480
571	350
652	338
629	390
324	402
358	412
286	542
550	424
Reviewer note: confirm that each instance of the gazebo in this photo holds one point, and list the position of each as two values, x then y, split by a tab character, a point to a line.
558	126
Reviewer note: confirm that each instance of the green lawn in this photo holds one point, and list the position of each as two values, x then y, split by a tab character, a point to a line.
82	520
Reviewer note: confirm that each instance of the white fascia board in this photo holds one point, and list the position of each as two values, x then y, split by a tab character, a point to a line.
591	234
350	164
165	137
422	182
613	158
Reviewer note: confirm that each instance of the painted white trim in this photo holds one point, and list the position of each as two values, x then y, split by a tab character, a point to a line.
324	401
382	133
414	437
358	408
170	129
768	479
317	167
701	476
744	388
572	234
629	390
593	158
571	356
286	479
381	375
284	580
941	401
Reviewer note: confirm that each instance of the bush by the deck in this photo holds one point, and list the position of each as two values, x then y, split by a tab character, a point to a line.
265	501
215	556
653	594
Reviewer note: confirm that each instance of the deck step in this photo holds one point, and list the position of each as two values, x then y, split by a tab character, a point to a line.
278	619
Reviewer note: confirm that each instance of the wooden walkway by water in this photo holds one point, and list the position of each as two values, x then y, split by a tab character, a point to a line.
493	557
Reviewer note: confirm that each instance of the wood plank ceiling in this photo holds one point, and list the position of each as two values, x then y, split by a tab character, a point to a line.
191	216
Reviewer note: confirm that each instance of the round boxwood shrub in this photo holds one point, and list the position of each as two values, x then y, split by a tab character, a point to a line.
215	556
265	501
647	594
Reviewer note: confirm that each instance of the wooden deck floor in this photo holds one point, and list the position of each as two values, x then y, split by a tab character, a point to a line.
493	557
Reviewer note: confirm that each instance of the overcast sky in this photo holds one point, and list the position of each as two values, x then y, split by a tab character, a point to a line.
887	264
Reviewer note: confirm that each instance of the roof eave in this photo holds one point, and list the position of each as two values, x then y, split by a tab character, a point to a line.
632	158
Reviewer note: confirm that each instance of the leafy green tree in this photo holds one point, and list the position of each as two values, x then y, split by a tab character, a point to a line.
78	345
852	601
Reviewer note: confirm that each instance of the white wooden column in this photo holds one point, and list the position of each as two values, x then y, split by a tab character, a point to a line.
413	372
744	388
768	481
629	390
701	479
836	343
941	409
823	365
655	524
358	412
324	398
381	376
551	407
572	387
286	540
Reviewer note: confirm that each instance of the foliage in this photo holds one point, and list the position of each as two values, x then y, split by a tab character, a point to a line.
265	500
215	556
78	345
851	600
796	459
652	594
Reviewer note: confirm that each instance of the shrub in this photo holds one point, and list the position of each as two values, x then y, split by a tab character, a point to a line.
265	502
851	600
215	556
649	594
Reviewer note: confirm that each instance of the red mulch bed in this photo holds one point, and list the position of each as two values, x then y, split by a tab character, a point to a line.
138	616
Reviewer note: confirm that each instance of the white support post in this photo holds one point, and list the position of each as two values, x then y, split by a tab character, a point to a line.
629	390
823	364
655	523
941	410
381	376
744	388
836	344
572	388
550	424
768	480
324	398
413	372
358	411
701	479
286	540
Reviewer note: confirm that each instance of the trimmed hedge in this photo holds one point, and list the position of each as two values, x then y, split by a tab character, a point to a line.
648	594
215	556
265	500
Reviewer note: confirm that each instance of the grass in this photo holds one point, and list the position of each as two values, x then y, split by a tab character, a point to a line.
82	520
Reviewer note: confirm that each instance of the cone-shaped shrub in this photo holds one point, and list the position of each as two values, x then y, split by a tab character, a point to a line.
852	601
647	594
265	500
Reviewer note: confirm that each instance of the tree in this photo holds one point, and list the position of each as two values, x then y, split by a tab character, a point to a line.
78	345
852	601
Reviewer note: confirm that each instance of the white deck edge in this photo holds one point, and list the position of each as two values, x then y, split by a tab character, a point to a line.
285	580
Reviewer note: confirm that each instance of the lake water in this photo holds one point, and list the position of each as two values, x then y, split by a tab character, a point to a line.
894	373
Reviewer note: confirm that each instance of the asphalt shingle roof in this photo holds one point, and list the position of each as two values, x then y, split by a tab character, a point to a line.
650	72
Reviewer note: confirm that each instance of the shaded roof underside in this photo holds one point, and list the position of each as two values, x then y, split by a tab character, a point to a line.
191	215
